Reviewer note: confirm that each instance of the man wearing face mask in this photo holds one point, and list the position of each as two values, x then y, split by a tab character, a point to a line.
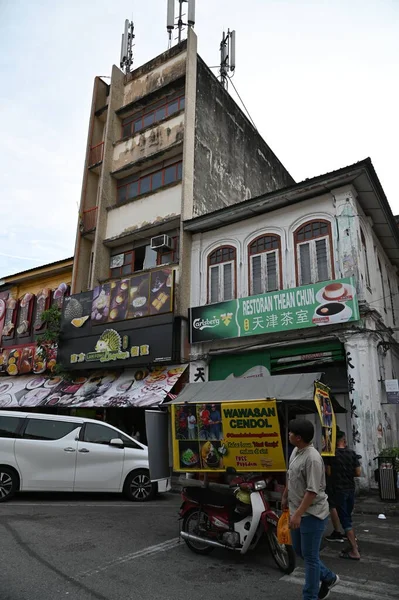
305	495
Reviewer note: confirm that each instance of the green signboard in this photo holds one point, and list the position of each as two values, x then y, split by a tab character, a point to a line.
325	303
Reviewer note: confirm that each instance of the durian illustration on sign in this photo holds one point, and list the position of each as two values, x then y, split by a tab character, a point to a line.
110	341
73	310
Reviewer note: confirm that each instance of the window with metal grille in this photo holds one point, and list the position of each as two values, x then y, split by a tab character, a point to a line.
221	274
264	267
152	114
134	186
313	249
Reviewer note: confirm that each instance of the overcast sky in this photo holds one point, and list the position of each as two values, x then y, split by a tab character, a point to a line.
320	80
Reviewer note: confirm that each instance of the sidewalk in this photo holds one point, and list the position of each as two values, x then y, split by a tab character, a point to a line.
370	504
367	504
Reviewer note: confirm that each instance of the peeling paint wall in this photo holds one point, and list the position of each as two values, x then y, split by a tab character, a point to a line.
143	211
232	161
154	75
150	142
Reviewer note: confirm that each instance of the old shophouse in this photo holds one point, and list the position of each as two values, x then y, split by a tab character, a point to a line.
23	299
299	280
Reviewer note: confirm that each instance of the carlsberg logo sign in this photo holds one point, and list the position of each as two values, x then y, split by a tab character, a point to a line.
206	323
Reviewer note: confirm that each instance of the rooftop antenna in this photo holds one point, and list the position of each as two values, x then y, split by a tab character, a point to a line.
126	61
227	56
170	19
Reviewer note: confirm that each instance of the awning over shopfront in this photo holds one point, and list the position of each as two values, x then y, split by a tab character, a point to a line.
99	389
295	389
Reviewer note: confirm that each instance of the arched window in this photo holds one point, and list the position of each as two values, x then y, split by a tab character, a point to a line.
313	251
264	264
222	274
365	259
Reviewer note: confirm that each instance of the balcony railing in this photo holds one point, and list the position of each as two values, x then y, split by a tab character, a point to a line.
89	220
96	154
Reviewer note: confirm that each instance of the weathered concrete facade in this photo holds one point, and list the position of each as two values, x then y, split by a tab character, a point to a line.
223	161
232	161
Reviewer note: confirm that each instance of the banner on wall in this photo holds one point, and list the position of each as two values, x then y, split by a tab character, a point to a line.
327	419
211	437
319	304
98	389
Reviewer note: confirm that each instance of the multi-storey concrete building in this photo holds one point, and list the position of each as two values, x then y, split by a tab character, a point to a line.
166	142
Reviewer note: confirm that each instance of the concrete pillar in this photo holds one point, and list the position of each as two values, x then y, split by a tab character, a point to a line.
183	298
365	393
107	184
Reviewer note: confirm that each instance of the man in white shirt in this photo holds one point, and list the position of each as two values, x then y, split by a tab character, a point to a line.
305	495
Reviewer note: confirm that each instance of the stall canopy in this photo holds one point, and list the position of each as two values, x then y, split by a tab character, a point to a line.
295	389
132	387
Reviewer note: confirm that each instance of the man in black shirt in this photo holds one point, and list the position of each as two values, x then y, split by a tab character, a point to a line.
341	471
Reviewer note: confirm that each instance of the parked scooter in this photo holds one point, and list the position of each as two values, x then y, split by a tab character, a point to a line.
234	517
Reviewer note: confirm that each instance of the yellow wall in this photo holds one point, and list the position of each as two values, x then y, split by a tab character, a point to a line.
45	278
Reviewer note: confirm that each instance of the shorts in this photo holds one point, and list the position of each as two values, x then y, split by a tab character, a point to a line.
345	502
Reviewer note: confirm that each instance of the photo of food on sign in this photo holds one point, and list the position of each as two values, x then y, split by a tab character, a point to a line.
139	296
101	301
132	387
333	307
119	300
76	311
211	437
161	291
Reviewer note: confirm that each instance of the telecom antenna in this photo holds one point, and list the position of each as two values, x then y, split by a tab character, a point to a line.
170	18
126	61
227	56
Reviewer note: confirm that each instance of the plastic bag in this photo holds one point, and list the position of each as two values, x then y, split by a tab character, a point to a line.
283	528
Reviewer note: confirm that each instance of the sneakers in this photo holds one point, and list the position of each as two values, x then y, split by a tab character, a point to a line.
335	536
326	587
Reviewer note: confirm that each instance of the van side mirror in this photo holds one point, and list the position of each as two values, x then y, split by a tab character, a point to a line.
117	442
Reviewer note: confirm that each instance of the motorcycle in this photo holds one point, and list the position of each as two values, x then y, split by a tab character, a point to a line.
234	517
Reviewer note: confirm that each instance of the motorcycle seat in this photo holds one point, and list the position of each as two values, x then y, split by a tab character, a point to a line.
210	496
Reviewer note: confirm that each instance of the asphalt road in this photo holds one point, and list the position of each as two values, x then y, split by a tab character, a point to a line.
104	548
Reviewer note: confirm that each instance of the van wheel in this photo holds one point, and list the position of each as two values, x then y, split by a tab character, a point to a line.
8	484
138	486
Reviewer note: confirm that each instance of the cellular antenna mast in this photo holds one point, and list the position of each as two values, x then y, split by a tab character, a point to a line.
128	36
227	56
170	19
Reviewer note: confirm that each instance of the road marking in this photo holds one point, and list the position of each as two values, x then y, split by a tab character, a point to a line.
366	558
150	551
362	588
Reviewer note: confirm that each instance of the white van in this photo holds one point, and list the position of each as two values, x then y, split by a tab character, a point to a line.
40	452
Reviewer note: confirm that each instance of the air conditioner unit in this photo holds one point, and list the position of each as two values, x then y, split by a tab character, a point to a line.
162	242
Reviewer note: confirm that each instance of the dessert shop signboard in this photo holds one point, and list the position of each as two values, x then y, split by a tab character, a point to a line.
211	437
142	295
325	303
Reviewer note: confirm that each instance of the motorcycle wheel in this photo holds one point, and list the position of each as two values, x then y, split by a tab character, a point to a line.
193	522
283	555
